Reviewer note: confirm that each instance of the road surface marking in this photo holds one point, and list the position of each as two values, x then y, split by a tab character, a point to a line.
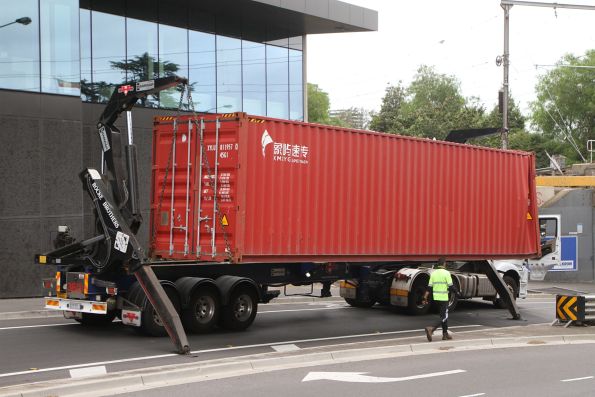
474	395
126	360
304	310
88	371
36	326
285	348
575	379
359	377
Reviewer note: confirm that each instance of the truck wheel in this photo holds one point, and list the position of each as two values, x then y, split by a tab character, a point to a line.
512	286
241	309
202	312
97	320
359	303
416	295
151	324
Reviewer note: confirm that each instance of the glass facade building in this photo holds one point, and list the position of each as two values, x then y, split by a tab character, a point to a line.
75	50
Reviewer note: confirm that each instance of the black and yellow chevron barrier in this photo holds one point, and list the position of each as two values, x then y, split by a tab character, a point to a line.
570	308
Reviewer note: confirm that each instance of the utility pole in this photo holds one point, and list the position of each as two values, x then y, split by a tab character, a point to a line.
506	62
505	58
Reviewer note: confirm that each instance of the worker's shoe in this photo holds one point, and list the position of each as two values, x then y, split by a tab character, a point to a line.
446	337
429	332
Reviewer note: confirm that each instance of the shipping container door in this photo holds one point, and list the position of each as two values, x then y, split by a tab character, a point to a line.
215	206
173	176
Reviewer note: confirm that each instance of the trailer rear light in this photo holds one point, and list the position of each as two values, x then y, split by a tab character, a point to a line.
57	281
52	302
99	306
86	285
402	277
42	259
47	284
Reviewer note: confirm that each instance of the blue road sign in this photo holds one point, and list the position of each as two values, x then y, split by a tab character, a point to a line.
569	255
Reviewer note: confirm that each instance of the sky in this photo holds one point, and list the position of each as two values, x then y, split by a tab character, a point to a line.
460	38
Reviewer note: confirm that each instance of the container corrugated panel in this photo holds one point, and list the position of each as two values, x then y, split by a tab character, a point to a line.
296	192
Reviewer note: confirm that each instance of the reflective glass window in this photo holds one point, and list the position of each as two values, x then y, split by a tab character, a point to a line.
85	51
254	78
296	88
108	54
277	82
202	72
173	60
142	62
60	68
229	74
19	45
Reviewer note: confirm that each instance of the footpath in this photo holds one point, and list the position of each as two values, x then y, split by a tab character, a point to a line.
524	336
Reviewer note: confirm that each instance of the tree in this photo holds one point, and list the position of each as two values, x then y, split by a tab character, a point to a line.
319	107
565	105
387	120
430	107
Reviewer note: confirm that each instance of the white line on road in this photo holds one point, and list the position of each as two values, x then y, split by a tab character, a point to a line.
125	360
360	377
36	326
575	379
474	395
304	310
88	371
285	348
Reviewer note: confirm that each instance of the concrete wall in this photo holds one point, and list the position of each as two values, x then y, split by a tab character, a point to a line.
575	207
46	141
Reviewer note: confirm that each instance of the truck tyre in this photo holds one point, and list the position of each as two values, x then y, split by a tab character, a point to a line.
151	324
97	320
202	313
414	303
512	286
359	303
240	311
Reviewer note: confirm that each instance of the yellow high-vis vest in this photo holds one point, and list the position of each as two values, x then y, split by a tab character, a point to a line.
440	280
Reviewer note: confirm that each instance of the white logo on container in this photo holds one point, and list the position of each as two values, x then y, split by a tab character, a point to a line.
265	140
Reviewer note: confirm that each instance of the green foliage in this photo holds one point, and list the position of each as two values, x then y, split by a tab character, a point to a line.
565	103
430	107
318	105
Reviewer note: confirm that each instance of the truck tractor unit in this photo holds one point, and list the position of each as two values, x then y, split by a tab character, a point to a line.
241	203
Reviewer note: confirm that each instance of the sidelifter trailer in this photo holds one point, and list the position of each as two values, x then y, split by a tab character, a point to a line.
241	203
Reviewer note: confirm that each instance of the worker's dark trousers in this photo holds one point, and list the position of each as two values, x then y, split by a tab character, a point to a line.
443	306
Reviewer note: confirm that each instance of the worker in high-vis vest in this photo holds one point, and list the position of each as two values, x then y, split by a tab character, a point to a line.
440	285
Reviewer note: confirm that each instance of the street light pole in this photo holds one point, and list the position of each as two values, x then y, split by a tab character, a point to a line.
22	21
506	64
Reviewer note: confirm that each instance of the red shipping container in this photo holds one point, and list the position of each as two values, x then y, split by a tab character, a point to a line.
297	192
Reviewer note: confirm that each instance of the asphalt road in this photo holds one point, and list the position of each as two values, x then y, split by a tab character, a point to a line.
41	349
551	371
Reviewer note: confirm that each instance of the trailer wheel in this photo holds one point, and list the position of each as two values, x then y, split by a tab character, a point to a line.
151	324
415	304
202	313
359	303
512	286
241	309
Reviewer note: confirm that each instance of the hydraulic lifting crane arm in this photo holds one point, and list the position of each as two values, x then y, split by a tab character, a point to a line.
114	194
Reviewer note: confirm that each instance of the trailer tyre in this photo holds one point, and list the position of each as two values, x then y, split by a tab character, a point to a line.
202	313
359	303
512	286
151	324
415	305
241	309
